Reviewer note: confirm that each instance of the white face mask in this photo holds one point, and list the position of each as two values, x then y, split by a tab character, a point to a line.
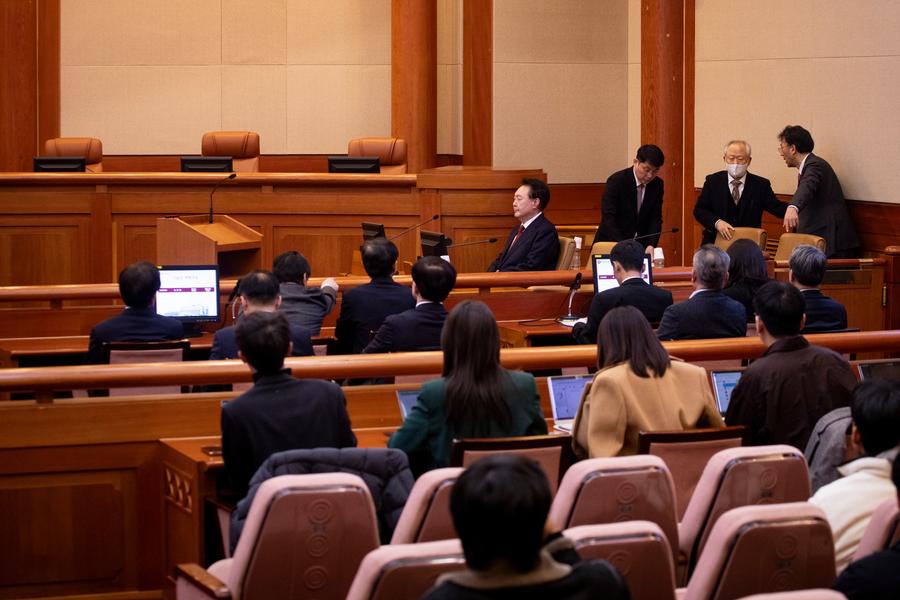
736	170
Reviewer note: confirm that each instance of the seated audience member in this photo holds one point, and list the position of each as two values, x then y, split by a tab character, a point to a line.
638	388
279	412
532	245
849	502
746	273
303	305
364	308
708	313
499	507
782	395
808	265
877	576
829	447
419	328
627	259
138	284
258	292
475	397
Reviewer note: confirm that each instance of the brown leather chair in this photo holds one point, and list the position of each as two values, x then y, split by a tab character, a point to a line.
566	253
391	152
788	241
241	146
90	148
744	233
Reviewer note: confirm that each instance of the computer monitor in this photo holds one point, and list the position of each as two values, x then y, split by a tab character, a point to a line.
206	164
59	164
189	293
434	243
888	370
354	164
603	272
372	230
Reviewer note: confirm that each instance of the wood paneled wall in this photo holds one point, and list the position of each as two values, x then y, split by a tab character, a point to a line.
478	82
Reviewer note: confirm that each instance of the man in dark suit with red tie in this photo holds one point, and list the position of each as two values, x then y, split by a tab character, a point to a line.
534	244
733	197
632	201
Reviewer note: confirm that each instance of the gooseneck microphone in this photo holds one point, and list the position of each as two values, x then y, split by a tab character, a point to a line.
576	284
213	191
473	243
649	235
408	229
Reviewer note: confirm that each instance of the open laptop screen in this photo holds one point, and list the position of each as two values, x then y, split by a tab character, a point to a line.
565	394
724	383
603	272
888	370
407	399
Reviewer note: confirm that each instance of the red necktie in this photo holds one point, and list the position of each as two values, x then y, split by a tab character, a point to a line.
518	235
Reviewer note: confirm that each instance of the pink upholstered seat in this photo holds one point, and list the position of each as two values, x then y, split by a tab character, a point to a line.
551	452
400	571
120	353
882	532
426	516
391	152
241	146
816	594
88	147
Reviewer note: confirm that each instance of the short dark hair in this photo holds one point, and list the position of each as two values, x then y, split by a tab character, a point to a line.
499	507
290	267
875	409
259	287
780	306
808	264
434	278
264	339
651	153
538	190
629	254
746	263
379	256
625	335
138	284
797	136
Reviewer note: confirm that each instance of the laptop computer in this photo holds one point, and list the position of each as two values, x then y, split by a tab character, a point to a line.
407	399
724	383
879	369
565	394
603	272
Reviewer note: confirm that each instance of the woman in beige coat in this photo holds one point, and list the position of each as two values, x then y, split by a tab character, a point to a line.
638	388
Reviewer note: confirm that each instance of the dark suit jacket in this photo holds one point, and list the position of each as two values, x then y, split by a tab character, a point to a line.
823	212
414	329
823	313
648	299
536	250
281	413
225	345
744	291
132	325
707	315
618	211
715	202
363	310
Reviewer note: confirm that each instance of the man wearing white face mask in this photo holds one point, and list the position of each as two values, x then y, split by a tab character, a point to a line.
733	197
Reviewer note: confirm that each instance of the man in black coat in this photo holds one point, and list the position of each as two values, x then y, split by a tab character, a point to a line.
364	308
708	313
628	261
419	328
808	265
533	245
733	197
632	201
818	205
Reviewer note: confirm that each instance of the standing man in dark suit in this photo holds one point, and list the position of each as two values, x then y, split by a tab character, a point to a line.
534	244
708	313
419	328
808	265
733	197
364	308
627	259
818	206
632	201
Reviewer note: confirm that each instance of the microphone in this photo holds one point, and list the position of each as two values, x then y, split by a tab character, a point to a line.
473	243
576	284
213	191
408	229
649	235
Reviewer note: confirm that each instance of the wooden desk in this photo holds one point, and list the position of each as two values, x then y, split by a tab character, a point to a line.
546	332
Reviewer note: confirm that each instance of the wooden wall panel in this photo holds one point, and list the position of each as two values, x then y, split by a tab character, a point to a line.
44	250
18	84
48	70
478	81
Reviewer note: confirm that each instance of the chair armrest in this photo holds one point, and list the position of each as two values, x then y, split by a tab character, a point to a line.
200	580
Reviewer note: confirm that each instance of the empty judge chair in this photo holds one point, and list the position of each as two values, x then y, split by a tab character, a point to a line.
816	594
755	549
305	537
759	236
391	152
426	516
882	532
638	550
566	253
241	146
623	488
551	452
401	571
91	149
788	241
120	353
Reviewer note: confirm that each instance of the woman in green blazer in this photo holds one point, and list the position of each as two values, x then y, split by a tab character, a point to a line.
475	398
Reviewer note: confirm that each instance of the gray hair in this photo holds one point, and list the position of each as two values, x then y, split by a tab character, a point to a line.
744	142
711	266
808	264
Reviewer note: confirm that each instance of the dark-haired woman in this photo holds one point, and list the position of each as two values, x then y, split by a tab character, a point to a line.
746	273
476	397
638	388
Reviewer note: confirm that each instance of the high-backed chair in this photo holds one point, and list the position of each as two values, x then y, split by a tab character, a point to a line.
305	536
88	147
816	594
754	549
426	516
391	152
566	253
883	531
602	247
623	488
400	571
120	353
638	550
788	241
241	146
744	233
551	452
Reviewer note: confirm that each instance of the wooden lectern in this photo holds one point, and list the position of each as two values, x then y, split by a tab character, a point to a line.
193	240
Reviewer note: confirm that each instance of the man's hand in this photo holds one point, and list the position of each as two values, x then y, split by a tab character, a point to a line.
725	229
791	219
649	250
330	282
